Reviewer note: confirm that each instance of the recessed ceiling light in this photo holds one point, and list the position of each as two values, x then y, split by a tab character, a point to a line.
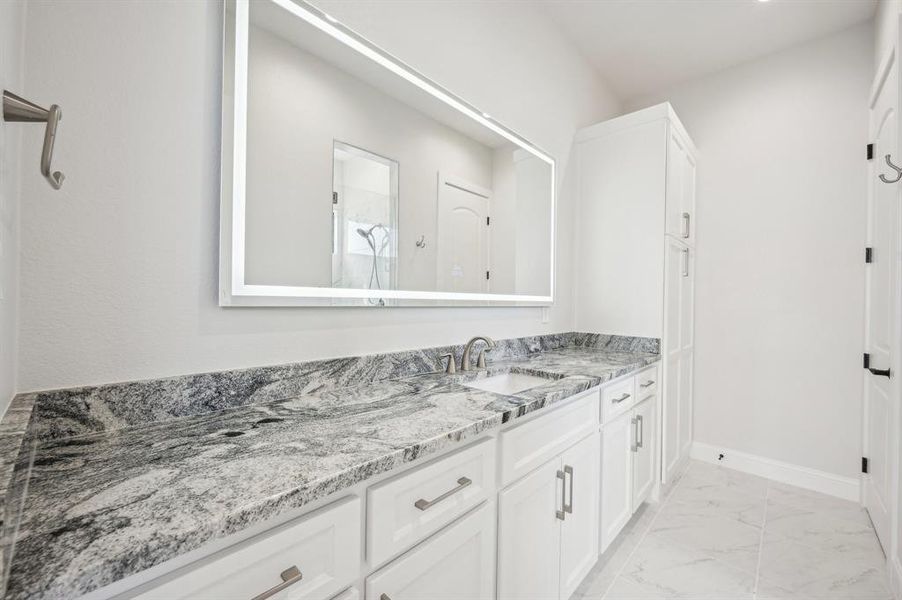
763	0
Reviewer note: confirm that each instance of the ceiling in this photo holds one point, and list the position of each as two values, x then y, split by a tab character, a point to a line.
644	46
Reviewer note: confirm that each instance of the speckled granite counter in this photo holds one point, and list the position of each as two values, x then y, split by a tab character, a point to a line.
107	504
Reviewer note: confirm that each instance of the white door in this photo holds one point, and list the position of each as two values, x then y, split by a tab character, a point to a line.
643	451
457	563
616	477
883	232
529	535
579	529
463	237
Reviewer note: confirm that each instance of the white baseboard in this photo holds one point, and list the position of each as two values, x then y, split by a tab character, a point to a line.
848	488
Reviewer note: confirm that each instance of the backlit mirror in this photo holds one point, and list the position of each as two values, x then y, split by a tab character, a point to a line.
350	179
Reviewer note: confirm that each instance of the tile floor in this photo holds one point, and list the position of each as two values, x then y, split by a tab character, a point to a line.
724	535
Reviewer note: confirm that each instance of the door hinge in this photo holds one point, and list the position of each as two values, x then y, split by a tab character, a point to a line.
870	151
486	274
864	464
868	255
488	220
867	360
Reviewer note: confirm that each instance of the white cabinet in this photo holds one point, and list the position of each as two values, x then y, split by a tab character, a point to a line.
636	240
458	562
678	353
548	526
616	477
643	450
311	558
629	455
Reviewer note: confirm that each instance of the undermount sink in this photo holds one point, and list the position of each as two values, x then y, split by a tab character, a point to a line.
507	383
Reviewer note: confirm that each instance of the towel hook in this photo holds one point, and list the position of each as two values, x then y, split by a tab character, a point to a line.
898	171
20	110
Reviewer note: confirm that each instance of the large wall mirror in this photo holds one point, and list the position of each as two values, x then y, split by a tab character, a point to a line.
348	179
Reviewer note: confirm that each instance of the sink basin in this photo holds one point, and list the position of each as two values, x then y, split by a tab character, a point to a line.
507	383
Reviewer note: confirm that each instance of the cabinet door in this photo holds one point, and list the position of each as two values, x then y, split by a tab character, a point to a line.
678	267
680	190
579	529
643	451
529	535
616	477
458	562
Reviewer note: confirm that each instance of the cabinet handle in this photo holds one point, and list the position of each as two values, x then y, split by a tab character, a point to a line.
648	383
685	262
560	514
289	577
621	399
686	225
640	422
634	446
568	470
423	504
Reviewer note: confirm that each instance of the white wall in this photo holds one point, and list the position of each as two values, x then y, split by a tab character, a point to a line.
119	268
12	20
886	27
781	232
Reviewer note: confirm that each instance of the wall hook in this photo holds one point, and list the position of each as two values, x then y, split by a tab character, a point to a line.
421	243
20	110
894	168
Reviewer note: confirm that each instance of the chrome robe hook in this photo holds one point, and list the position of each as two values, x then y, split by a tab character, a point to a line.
898	171
19	110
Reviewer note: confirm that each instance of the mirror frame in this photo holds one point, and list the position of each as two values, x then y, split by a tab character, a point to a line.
233	290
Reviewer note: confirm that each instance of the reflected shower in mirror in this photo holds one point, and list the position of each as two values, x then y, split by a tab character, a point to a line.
360	182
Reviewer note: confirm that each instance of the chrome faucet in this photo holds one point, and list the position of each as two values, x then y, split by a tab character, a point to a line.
480	362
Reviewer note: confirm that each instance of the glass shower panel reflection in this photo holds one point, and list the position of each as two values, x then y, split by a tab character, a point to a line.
364	220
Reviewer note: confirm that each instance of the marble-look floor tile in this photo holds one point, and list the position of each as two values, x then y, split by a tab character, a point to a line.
729	541
726	502
823	572
661	568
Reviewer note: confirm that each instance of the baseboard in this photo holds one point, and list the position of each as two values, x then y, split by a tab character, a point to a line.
848	488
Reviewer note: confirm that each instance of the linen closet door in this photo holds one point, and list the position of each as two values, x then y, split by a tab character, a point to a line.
677	355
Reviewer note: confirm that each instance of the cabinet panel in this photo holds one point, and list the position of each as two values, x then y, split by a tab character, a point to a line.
395	522
324	547
688	198
618	398
644	451
676	160
579	529
686	364
616	477
529	535
458	562
526	446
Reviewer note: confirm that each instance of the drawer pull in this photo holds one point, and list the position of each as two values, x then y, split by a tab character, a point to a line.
289	576
568	470
648	383
640	443
621	399
562	514
423	504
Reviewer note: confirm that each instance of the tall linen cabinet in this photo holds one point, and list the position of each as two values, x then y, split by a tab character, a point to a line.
635	251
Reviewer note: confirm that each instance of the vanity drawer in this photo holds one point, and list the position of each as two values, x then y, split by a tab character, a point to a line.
530	445
403	510
647	383
458	563
324	548
617	398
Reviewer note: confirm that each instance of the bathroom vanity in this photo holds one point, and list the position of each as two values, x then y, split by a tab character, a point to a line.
411	487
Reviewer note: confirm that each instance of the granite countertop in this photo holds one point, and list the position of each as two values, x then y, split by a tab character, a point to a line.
106	505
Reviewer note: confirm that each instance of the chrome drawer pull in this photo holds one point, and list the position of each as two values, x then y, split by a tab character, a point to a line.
686	225
634	446
568	508
621	399
423	504
641	428
289	577
648	383
560	514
